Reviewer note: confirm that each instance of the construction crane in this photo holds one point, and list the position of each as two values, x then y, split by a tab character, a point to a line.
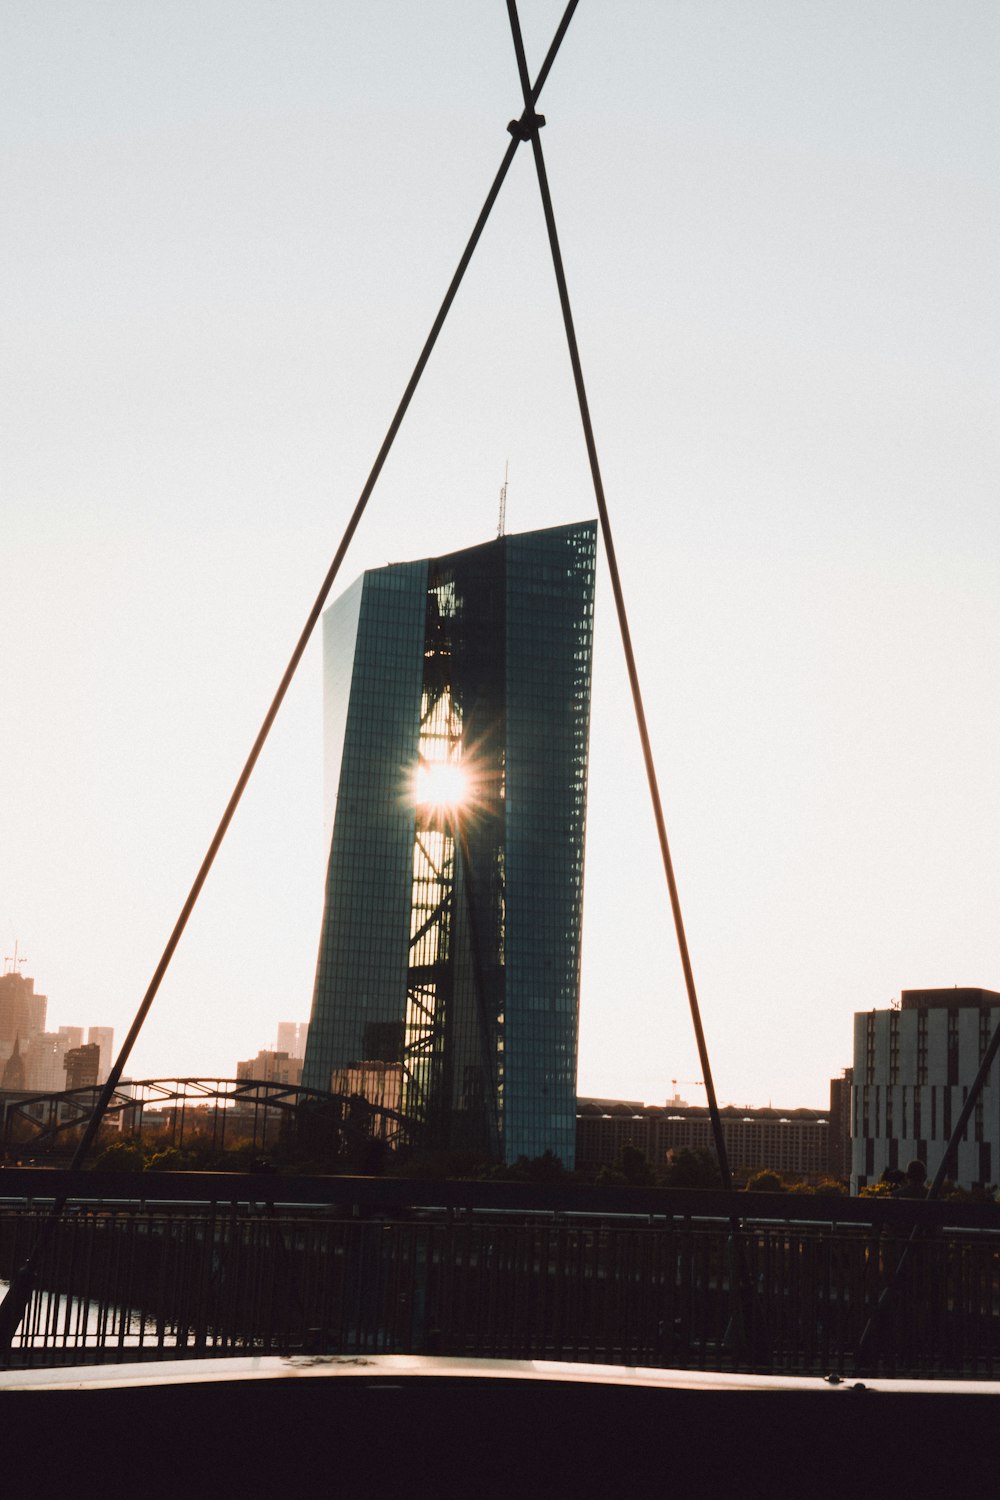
692	1082
502	524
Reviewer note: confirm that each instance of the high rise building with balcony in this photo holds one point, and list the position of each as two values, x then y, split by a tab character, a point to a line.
457	711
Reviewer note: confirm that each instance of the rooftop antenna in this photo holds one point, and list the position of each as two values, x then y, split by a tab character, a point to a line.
13	960
502	523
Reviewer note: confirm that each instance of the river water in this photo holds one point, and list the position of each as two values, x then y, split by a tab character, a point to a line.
58	1322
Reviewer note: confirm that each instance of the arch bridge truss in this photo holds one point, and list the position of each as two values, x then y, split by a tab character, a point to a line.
232	1110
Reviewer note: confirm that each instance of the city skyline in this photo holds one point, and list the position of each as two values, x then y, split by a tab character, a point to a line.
34	1053
229	230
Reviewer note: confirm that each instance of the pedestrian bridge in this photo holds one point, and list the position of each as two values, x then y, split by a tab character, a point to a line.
159	1265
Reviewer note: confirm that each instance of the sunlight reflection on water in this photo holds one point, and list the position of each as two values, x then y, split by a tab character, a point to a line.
70	1322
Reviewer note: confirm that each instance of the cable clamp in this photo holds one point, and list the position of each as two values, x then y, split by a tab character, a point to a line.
527	126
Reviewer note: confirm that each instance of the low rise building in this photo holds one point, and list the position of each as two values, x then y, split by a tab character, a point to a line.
793	1142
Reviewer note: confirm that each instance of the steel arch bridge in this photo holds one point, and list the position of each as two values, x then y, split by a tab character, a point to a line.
248	1109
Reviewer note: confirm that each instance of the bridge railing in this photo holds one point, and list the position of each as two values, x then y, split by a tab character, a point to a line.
355	1266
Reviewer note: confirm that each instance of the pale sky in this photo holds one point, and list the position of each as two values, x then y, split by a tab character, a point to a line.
226	229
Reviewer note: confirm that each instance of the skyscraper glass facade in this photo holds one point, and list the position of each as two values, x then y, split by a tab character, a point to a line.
457	700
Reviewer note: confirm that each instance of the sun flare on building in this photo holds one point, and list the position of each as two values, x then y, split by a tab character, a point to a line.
440	784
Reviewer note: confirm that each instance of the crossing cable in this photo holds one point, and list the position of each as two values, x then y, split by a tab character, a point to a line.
748	1328
13	1306
533	122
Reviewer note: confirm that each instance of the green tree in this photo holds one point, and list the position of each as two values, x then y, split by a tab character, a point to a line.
692	1167
831	1187
876	1190
610	1177
631	1169
766	1181
169	1159
634	1167
122	1156
545	1168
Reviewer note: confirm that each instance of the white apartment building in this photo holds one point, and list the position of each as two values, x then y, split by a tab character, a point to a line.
913	1066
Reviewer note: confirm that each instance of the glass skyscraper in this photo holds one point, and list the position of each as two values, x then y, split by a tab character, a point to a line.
457	715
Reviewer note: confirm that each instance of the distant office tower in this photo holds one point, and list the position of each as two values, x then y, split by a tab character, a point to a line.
22	1012
457	707
82	1065
103	1037
292	1038
44	1062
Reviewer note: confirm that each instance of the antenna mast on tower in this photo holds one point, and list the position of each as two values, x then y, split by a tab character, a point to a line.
13	960
502	524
